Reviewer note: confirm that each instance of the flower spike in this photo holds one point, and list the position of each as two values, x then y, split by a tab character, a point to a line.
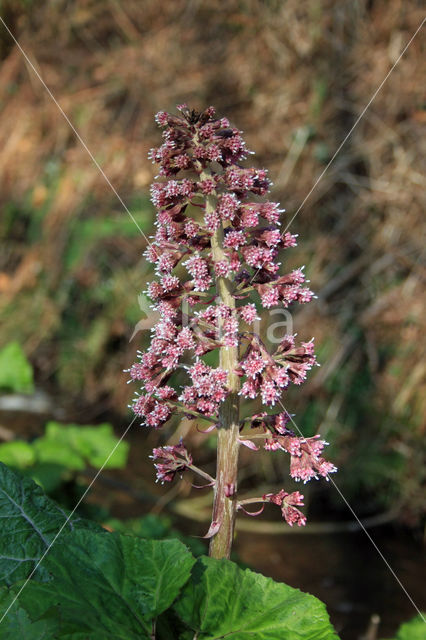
217	255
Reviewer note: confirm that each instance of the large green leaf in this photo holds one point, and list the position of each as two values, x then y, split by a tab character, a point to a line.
109	587
221	600
16	373
415	629
16	624
29	523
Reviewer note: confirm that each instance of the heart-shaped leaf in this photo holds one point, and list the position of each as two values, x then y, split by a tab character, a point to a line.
223	601
109	586
29	523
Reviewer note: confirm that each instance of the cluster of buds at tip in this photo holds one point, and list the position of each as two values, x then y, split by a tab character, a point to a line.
204	193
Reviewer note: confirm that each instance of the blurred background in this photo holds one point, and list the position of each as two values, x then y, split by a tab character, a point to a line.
294	77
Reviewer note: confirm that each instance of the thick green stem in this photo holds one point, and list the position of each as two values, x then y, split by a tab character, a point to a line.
225	502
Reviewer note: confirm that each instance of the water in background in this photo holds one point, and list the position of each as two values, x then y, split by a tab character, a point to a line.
347	573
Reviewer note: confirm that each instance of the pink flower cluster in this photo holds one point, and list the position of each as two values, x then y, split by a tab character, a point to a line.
200	164
268	375
288	503
220	323
286	289
207	391
191	143
306	461
173	459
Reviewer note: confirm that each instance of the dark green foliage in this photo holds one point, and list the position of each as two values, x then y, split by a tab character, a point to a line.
123	584
30	521
155	527
112	586
221	600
